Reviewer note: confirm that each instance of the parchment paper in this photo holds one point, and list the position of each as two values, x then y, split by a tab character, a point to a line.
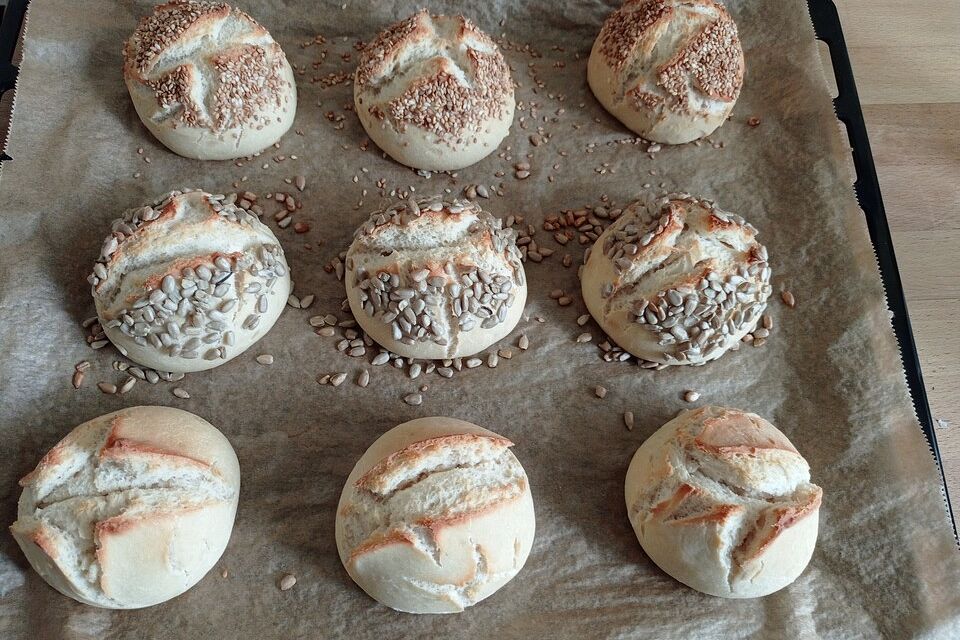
830	376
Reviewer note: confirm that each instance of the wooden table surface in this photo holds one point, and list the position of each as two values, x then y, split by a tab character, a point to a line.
906	60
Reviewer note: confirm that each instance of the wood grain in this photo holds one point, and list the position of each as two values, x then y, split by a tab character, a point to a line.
905	56
905	59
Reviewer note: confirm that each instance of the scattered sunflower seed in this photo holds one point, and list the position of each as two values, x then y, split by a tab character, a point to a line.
788	299
628	420
327	332
265	358
181	393
584	337
77	379
364	378
446	372
317	321
691	396
127	385
584	319
287	582
601	392
564	301
413	399
107	387
306	301
505	353
493	360
338	378
523	343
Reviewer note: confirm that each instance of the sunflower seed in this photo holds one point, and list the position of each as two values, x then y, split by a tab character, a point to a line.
493	360
107	387
788	299
381	358
323	379
564	301
99	344
584	337
601	392
287	582
413	399
584	319
505	353
265	358
628	420
77	378
446	372
181	393
364	378
317	321
306	301
767	321
338	378
691	396
415	370
523	343
473	363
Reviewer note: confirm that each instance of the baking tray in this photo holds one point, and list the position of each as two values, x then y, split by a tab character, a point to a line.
826	24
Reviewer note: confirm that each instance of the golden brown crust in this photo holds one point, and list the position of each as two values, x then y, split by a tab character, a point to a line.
772	524
416	450
734	432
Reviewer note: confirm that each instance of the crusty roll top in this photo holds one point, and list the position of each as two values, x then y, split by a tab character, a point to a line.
438	73
128	475
185	270
208	65
436	516
434	269
735	474
683	55
684	269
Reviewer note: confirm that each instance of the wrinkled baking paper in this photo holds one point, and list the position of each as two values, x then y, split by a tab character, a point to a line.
830	377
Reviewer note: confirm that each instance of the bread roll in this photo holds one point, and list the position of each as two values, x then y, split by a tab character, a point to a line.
677	280
670	70
131	508
721	500
435	278
189	282
434	92
436	516
208	81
